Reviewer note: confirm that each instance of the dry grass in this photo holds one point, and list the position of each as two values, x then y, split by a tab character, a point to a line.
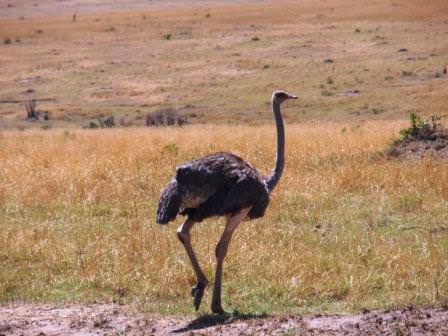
346	228
115	62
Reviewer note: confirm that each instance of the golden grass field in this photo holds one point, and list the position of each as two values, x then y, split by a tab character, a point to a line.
347	227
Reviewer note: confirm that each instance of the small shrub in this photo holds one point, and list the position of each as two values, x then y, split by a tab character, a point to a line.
108	122
357	30
417	128
167	36
328	61
326	93
255	39
377	110
92	125
405	73
165	117
7	40
421	137
31	112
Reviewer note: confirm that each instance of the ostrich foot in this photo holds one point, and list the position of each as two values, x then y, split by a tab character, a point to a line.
197	292
217	309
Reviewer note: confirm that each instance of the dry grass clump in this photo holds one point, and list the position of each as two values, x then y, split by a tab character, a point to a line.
346	228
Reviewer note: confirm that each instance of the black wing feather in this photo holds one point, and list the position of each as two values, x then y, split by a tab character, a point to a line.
214	185
226	183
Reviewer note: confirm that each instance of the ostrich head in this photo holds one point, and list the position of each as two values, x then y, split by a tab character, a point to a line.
280	96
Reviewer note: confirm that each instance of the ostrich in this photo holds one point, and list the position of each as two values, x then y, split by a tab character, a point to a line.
220	184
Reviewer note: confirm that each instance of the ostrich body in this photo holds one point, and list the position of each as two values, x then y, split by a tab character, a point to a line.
220	184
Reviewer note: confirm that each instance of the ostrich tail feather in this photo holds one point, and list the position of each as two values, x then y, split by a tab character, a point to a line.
169	203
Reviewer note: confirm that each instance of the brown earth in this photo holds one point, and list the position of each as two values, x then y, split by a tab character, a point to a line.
114	319
417	149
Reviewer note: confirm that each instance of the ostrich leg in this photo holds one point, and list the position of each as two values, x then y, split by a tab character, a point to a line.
221	252
183	233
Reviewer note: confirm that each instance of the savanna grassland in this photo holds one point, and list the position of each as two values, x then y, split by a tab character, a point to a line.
348	227
219	61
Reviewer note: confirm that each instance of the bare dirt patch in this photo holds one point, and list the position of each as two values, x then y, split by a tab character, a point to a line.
419	149
113	319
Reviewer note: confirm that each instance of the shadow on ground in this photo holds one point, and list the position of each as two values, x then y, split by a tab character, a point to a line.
211	320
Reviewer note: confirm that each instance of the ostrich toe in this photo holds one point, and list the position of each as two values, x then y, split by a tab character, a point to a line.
197	292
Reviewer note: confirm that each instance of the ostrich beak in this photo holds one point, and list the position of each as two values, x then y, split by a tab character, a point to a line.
293	97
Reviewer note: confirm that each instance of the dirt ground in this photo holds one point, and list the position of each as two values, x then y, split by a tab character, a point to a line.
114	319
420	149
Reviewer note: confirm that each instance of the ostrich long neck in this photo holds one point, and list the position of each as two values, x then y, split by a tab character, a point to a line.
273	179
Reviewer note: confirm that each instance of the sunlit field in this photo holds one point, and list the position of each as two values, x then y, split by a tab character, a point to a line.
347	227
219	61
358	223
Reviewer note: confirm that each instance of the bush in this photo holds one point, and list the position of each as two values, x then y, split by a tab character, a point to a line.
165	117
108	122
420	129
31	111
421	138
